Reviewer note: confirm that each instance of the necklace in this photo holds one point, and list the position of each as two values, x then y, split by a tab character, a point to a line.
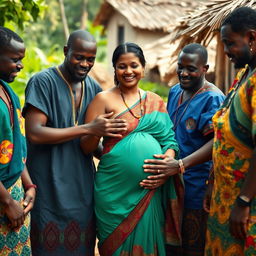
74	113
141	108
234	90
176	122
8	104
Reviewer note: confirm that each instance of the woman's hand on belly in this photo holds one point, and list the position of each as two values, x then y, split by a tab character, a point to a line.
161	167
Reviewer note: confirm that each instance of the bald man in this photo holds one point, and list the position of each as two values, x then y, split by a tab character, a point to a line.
56	101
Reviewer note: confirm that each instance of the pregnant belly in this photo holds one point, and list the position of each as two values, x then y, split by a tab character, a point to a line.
124	163
117	189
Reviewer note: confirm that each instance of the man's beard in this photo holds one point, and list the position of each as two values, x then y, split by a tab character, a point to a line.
245	59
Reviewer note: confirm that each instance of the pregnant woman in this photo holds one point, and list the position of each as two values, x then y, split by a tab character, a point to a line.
132	220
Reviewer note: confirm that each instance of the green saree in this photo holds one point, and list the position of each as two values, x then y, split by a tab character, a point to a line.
132	220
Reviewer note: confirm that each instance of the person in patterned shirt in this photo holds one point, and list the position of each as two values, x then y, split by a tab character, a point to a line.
15	204
232	218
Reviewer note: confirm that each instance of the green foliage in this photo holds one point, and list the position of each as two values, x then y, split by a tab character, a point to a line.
49	31
97	32
35	61
74	11
20	12
93	7
159	89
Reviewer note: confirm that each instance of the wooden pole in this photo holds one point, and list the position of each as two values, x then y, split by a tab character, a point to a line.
220	67
84	15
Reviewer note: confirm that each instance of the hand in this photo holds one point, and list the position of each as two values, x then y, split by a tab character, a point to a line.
103	125
162	168
29	200
238	221
14	213
207	198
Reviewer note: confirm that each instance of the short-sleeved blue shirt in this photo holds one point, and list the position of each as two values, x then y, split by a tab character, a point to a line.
193	128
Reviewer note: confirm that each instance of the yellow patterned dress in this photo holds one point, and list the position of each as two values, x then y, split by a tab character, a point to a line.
235	129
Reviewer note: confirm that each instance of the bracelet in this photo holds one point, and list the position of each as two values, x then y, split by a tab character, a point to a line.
241	201
27	187
181	165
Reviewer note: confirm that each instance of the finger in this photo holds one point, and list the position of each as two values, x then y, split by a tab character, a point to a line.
117	121
116	129
157	177
26	201
153	181
114	135
153	161
149	186
148	182
154	166
115	124
162	156
153	171
28	208
19	223
154	185
14	223
107	115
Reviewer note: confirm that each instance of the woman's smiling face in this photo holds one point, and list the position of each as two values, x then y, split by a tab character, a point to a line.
129	70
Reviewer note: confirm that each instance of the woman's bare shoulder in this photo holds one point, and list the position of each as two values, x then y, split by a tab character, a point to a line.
104	95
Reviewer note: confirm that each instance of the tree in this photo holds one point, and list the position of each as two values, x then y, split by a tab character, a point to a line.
20	11
49	32
84	15
64	19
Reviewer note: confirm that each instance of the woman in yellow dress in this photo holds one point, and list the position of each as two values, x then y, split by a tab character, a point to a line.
231	223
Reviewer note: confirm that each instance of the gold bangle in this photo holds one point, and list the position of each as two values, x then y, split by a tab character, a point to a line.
181	165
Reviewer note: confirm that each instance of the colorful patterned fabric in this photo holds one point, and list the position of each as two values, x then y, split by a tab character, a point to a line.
12	139
14	242
234	141
192	120
62	218
130	219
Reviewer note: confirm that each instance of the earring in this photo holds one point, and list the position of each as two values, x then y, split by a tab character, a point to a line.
250	45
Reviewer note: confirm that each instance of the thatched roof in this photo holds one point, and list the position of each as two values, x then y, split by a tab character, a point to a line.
100	73
203	23
145	14
160	54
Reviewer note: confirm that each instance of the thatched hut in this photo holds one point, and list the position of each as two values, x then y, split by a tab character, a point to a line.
139	21
163	55
202	25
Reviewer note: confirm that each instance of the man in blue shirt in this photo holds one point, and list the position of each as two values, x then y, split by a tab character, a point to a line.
191	104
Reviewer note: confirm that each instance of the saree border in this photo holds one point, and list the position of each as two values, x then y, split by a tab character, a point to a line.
125	228
174	213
